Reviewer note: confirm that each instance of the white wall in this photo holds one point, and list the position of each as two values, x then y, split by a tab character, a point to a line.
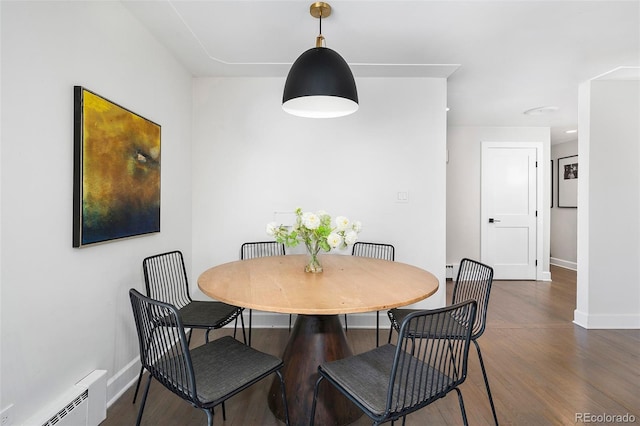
251	159
564	226
463	186
65	311
609	205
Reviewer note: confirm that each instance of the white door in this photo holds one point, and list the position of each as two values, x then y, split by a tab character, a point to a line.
508	210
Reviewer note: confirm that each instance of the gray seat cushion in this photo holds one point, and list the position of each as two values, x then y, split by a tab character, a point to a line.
366	377
425	328
201	314
225	366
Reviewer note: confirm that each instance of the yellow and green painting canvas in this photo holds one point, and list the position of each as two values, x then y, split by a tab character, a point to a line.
116	173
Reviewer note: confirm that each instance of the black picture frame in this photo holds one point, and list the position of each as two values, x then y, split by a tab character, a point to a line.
116	176
552	192
568	182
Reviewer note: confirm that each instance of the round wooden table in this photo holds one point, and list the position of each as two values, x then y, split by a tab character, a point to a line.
348	284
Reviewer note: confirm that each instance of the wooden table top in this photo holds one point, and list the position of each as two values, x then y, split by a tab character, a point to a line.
348	284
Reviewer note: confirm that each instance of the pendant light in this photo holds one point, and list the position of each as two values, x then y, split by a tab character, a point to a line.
320	83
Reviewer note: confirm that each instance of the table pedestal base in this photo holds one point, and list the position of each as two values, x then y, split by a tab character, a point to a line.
314	339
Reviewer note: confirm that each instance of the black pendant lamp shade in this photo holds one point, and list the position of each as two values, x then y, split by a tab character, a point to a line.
320	84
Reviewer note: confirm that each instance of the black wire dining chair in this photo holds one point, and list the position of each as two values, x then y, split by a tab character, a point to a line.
473	282
376	251
255	249
165	278
391	381
205	376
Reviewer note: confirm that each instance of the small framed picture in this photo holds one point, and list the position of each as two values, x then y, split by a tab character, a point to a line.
552	191
568	182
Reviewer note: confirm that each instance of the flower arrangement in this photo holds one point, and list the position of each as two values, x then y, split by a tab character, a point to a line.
317	232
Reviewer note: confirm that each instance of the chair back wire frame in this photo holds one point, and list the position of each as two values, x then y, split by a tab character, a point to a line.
474	282
374	250
165	278
252	250
164	347
426	369
377	251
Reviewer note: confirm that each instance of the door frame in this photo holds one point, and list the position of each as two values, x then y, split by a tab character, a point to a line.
541	171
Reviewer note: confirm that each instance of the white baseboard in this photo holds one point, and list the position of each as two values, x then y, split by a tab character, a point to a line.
626	322
367	320
563	263
122	380
580	318
262	319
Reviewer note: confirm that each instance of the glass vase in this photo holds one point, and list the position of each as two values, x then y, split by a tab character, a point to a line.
313	265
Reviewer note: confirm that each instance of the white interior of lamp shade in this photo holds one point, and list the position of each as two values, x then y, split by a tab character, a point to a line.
320	106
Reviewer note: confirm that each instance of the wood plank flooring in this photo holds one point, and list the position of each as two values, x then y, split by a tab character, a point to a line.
542	368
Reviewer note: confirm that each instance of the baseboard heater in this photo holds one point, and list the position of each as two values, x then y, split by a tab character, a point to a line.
84	404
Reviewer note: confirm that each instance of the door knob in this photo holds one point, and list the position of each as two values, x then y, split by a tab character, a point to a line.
492	220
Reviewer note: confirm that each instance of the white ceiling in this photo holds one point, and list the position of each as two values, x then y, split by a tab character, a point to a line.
501	57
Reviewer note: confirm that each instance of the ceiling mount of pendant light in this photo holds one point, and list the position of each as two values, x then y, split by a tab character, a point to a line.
320	84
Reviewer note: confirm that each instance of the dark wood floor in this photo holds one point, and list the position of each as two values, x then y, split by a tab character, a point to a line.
542	368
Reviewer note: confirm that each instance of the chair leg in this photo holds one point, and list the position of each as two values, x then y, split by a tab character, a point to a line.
144	401
224	412
290	315
135	395
315	399
284	398
464	413
209	416
486	383
346	326
250	324
235	327
244	333
377	328
390	333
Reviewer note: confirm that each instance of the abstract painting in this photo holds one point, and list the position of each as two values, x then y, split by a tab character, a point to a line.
116	190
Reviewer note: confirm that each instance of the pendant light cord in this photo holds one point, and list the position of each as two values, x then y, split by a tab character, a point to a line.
320	38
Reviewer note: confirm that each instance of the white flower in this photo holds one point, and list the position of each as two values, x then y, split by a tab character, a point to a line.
342	223
316	230
334	239
350	237
310	220
271	228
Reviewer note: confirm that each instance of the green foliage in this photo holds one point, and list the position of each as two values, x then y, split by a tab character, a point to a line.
315	231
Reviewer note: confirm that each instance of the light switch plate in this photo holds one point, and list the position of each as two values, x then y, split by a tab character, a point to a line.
402	196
